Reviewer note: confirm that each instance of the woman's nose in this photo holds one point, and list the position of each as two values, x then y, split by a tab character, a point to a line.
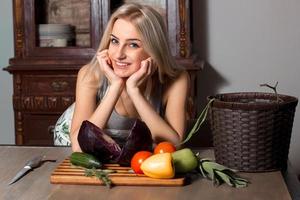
120	52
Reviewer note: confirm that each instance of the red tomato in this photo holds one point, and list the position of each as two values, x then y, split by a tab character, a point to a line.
137	159
164	147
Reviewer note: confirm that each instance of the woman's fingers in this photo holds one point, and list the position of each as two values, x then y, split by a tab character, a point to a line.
105	66
150	66
139	77
144	72
103	55
104	62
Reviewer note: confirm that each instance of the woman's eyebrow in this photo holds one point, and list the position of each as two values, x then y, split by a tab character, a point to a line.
129	39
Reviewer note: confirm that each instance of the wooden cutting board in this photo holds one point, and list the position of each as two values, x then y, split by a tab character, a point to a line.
66	173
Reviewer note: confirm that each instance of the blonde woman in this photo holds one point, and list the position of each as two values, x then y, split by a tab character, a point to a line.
132	75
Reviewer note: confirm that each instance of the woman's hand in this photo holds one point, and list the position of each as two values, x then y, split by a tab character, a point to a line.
105	66
140	76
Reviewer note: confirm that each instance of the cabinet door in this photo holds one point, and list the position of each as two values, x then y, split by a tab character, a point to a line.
39	129
83	16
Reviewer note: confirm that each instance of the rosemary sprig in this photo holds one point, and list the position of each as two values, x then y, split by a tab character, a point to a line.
101	174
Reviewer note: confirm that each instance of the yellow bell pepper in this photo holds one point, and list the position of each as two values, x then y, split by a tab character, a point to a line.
159	166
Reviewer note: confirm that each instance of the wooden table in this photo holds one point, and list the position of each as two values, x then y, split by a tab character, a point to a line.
36	184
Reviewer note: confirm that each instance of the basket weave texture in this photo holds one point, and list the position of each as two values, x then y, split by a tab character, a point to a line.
252	131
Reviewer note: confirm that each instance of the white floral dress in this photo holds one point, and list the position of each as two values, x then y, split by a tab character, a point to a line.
63	126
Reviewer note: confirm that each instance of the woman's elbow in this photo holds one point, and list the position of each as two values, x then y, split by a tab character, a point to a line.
76	147
74	142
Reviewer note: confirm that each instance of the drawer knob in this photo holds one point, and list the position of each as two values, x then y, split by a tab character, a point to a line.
59	85
51	129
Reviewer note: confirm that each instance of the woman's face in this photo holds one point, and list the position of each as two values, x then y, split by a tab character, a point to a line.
125	48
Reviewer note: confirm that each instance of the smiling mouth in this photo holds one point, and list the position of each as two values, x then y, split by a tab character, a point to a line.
121	64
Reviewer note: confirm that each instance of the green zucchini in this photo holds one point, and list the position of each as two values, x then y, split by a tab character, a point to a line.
85	160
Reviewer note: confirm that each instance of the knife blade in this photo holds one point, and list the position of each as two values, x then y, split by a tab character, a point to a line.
33	163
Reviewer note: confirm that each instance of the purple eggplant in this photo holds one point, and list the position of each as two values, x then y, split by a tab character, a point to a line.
139	139
95	141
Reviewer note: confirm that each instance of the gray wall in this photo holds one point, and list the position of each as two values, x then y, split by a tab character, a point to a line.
245	43
6	52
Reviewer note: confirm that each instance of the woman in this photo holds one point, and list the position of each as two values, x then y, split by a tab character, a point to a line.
132	75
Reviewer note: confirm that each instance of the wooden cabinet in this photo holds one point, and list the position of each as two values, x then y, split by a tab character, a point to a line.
44	77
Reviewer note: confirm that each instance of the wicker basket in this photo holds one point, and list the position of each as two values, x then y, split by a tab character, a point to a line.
252	131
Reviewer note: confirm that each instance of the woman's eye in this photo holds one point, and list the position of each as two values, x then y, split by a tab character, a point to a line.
114	41
134	45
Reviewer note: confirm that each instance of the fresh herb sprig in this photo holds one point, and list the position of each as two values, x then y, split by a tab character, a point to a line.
220	174
200	120
101	174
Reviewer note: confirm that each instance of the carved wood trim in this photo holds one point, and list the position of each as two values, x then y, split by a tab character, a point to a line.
19	30
18	80
19	128
182	21
27	103
52	102
44	102
67	101
39	102
17	92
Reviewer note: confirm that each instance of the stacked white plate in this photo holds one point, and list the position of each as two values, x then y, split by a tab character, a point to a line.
55	35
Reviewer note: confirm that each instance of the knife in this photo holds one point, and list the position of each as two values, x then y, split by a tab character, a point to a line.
31	164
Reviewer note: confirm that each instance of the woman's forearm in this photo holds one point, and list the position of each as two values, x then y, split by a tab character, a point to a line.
105	108
159	128
100	115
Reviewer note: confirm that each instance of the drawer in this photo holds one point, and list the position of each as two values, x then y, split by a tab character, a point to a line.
37	85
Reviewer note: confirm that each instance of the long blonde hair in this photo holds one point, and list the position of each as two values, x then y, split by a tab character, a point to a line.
150	25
